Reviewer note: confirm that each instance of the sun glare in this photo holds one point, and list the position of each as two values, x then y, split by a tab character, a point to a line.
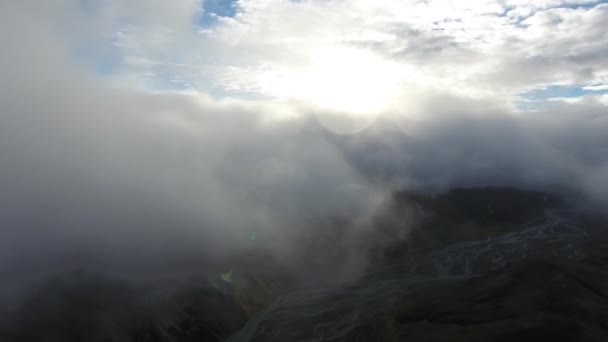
342	82
349	80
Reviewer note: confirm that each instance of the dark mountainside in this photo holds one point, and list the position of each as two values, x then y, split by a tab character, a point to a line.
488	264
467	214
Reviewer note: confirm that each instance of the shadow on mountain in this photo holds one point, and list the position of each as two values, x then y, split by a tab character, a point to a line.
84	306
534	300
466	215
538	298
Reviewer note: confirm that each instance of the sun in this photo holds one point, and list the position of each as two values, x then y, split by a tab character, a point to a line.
349	80
340	84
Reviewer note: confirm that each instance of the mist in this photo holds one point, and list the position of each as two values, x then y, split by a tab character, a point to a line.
448	142
99	170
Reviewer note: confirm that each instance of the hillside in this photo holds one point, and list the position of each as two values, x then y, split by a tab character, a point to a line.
482	264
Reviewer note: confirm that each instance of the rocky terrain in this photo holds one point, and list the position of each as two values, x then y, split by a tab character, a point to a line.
482	265
541	275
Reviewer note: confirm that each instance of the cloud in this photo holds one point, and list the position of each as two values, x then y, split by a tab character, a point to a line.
455	143
100	175
130	134
430	43
599	87
264	45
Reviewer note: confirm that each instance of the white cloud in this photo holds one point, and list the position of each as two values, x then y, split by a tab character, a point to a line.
91	167
469	48
586	99
482	49
94	156
598	87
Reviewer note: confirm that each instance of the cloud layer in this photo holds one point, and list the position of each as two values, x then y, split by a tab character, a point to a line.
134	132
94	174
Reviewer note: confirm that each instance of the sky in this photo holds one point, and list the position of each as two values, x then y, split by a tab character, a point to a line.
148	132
507	51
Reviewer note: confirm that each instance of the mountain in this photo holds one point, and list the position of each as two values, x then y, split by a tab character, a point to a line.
532	300
486	264
464	214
